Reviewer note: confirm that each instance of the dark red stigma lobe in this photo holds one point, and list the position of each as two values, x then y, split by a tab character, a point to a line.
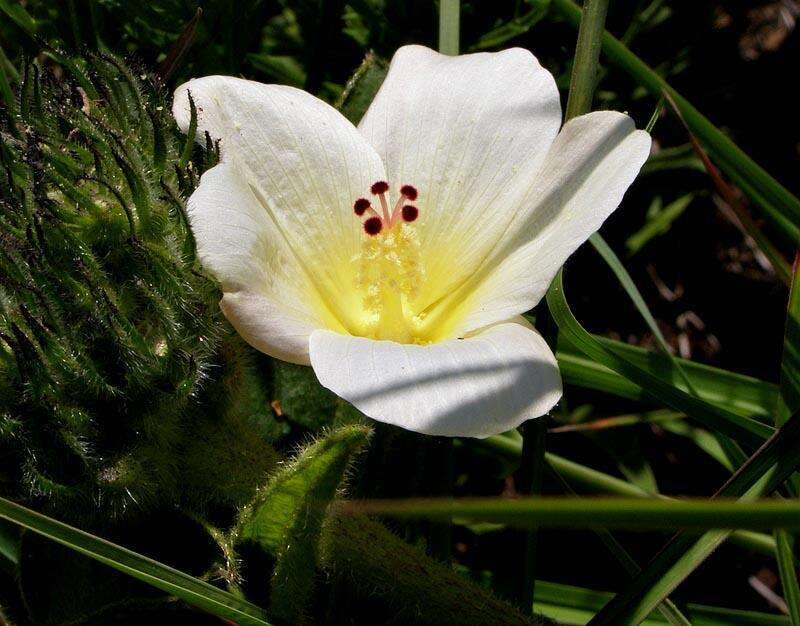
409	191
361	205
380	187
373	226
410	213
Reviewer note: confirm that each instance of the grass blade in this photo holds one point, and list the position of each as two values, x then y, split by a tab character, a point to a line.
703	439
671	421
9	543
196	592
513	28
595	481
731	391
6	93
732	198
738	427
667	608
764	472
449	17
624	278
576	605
658	225
791	591
587	55
17	13
529	478
790	363
658	416
777	203
569	512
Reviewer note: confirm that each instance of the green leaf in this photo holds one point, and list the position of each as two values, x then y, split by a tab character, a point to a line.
786	565
286	517
361	88
9	542
282	69
16	11
196	592
790	364
231	433
507	31
570	512
776	202
595	481
731	391
302	399
736	426
702	439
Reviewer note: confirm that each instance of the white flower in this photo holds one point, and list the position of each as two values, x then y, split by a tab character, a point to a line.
411	314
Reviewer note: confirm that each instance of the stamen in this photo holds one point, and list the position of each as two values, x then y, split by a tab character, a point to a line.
360	207
410	213
379	189
386	220
409	191
373	226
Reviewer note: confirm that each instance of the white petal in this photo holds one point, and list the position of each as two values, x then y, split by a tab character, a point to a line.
475	387
593	161
468	132
265	294
269	327
304	163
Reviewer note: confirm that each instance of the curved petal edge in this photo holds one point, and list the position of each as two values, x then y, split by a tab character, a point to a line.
474	387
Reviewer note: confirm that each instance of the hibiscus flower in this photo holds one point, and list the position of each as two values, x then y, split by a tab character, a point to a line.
397	257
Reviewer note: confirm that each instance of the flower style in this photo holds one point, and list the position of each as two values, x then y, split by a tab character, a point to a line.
397	257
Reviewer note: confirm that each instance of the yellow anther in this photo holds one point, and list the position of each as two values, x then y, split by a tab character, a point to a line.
389	274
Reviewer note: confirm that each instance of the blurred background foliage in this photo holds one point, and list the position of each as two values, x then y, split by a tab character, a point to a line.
130	408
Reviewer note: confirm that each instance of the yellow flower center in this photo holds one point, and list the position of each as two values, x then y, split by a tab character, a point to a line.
388	276
389	272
